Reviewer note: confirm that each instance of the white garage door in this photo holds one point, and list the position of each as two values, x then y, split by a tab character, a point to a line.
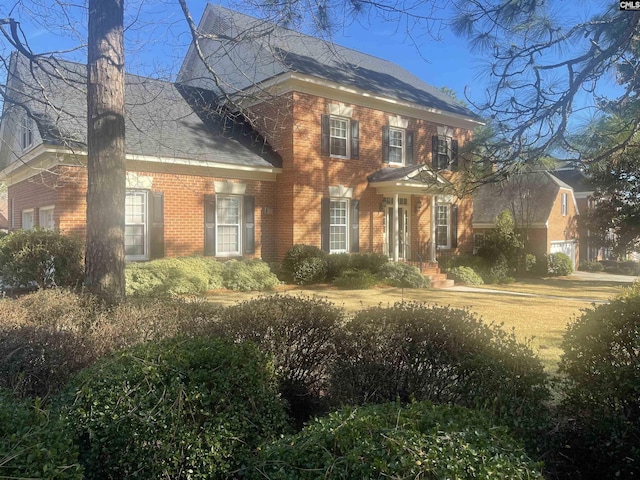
568	248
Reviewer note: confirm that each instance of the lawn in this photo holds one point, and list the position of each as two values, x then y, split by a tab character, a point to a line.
541	319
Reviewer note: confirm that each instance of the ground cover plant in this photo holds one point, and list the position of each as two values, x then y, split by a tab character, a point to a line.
181	408
420	440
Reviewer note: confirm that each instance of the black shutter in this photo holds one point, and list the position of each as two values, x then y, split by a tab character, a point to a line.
454	155
156	231
325	144
434	153
409	148
454	226
385	144
209	224
355	139
249	224
354	218
325	223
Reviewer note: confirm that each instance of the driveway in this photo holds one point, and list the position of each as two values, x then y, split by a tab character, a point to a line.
603	277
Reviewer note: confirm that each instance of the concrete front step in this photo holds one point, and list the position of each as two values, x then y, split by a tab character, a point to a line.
436	277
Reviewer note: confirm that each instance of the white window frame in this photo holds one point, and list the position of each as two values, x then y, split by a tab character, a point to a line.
42	219
26	133
401	147
333	225
25	215
346	138
564	204
446	141
446	207
219	225
144	194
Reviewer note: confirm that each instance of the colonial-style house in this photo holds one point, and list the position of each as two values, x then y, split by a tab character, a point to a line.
294	140
544	209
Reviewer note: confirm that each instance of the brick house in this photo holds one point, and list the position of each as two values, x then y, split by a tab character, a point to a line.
544	209
333	148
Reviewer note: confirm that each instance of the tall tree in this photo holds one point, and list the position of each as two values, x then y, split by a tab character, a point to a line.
106	188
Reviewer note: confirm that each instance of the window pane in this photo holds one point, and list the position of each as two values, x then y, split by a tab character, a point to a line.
134	240
228	210
396	138
338	226
228	225
227	239
442	225
134	208
135	230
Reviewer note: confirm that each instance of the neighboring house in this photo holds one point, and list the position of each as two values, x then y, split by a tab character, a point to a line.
344	151
591	248
544	209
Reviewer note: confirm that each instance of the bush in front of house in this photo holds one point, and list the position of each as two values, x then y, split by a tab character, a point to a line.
182	408
355	280
559	264
465	276
299	334
34	441
586	266
41	257
394	441
336	264
402	275
305	264
369	261
601	389
411	351
248	275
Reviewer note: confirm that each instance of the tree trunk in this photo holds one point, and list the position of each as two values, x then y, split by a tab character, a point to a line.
104	270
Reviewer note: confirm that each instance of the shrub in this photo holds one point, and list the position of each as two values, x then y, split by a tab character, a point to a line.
305	264
498	272
629	267
43	257
391	441
502	242
372	262
559	264
299	334
414	352
49	335
465	275
355	280
34	442
336	264
248	275
178	409
402	275
591	266
173	276
602	387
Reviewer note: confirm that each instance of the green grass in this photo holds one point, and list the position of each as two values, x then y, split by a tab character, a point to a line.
540	320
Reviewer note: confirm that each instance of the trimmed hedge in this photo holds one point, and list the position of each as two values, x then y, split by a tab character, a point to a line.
305	264
178	409
559	264
465	276
355	280
601	371
41	257
392	441
35	442
402	275
411	351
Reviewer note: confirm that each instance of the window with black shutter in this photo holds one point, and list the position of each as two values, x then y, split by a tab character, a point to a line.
340	137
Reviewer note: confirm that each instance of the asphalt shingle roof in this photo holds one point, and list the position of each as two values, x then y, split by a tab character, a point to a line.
532	193
247	51
162	119
575	178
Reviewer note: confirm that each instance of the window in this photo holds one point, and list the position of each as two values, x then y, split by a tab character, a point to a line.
26	133
45	218
396	146
478	242
228	218
338	226
136	226
27	219
565	204
445	153
443	239
340	137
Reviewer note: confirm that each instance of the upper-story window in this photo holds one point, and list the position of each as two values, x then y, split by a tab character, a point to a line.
340	137
445	153
397	146
26	133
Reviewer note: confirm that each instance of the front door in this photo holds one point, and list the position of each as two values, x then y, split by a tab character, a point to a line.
403	230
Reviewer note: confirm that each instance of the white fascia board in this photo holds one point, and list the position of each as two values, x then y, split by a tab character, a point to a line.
491	225
404	188
292	81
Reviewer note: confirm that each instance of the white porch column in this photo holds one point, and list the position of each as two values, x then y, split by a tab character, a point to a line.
432	252
396	228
